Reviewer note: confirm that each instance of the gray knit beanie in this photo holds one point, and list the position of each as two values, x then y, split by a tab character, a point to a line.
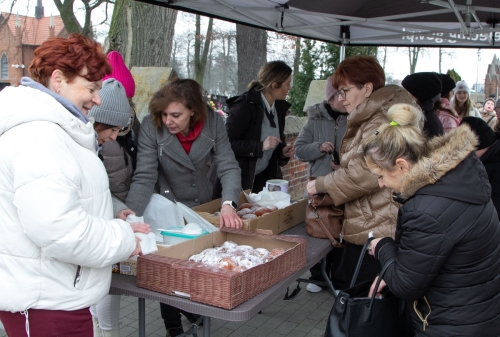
115	108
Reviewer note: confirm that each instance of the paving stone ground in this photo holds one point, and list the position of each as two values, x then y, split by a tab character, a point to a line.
305	315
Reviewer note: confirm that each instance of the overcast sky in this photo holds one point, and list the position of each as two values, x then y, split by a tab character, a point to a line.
464	61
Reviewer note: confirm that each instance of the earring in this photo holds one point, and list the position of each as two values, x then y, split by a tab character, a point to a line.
192	114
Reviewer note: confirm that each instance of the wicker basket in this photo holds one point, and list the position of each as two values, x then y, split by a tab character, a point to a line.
219	287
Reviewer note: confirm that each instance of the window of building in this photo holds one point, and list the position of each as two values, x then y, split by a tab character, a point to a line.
5	67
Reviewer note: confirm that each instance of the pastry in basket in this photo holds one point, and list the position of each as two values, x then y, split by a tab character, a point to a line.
276	252
243	212
249	216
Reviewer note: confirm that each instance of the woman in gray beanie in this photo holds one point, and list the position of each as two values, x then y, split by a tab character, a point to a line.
110	118
114	112
461	101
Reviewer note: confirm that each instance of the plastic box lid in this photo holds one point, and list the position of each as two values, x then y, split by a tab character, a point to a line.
182	235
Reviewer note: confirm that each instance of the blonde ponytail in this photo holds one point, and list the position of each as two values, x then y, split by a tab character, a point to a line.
400	138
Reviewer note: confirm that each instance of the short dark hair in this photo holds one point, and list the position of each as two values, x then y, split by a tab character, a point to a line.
185	91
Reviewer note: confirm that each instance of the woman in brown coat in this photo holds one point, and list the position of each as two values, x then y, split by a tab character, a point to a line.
368	208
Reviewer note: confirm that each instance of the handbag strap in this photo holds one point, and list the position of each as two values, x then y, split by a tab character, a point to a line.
368	313
335	243
360	260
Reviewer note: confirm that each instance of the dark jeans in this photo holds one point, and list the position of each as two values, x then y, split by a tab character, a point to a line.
370	267
333	261
172	317
48	323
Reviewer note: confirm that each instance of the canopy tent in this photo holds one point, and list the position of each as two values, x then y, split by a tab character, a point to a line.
427	23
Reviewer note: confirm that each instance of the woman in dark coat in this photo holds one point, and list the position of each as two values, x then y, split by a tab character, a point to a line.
256	123
447	246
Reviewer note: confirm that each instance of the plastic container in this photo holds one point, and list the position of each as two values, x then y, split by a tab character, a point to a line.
277	185
173	238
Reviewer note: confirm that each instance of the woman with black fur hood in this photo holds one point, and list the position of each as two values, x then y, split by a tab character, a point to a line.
446	251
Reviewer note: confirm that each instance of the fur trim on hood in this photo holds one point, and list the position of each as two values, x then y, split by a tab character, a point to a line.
445	153
317	111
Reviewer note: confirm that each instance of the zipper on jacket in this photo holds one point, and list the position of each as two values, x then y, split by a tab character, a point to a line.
161	148
78	275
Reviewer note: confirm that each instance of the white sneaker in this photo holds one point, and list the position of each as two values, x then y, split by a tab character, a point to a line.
313	288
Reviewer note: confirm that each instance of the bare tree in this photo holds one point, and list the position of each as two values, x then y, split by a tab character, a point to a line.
72	25
143	33
200	58
413	54
251	46
296	60
384	59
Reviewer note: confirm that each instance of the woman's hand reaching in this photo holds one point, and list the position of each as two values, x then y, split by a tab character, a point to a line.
229	218
311	188
380	287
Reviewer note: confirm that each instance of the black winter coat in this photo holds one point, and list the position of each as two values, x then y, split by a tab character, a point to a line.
491	161
447	243
244	126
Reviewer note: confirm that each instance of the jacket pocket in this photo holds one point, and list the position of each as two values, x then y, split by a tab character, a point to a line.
81	276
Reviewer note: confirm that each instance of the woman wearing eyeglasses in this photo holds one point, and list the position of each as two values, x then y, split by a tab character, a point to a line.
360	81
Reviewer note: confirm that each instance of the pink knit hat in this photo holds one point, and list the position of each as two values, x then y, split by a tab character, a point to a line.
121	73
330	90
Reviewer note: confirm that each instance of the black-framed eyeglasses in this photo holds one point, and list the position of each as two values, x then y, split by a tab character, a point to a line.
343	92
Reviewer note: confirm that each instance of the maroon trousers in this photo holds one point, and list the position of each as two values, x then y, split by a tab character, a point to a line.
48	323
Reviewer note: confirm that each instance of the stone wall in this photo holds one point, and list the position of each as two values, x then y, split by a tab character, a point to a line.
295	171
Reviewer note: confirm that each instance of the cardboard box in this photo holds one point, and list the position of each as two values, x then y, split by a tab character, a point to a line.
276	222
170	272
129	267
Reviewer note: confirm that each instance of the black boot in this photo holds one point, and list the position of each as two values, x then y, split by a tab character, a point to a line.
172	320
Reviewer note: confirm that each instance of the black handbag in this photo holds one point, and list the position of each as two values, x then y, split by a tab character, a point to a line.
354	314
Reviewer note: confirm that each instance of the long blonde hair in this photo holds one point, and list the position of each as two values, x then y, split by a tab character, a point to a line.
402	137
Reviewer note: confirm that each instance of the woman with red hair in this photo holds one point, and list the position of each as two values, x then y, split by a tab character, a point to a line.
360	81
59	238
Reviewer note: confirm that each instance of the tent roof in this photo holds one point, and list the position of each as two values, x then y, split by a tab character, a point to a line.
435	23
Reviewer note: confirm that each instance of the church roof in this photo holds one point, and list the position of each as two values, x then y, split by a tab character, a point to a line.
34	31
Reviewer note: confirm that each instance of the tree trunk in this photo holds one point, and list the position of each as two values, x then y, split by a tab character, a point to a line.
251	47
296	60
385	58
440	58
143	33
200	60
68	16
413	53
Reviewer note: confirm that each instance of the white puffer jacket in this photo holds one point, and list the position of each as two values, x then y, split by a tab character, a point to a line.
55	208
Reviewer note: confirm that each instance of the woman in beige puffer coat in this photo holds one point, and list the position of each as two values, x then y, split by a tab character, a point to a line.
368	208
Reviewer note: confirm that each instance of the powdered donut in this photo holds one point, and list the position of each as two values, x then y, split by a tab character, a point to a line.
277	252
244	206
249	216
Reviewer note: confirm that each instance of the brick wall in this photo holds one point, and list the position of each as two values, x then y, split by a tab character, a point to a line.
295	171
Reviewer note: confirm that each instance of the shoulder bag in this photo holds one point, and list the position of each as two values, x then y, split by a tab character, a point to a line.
324	219
354	314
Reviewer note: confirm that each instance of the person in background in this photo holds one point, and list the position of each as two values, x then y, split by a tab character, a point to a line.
479	105
320	137
446	250
426	88
448	117
488	151
110	117
120	156
360	81
461	102
488	113
178	141
256	124
59	239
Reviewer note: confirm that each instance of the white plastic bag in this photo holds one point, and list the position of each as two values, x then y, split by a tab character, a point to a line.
162	213
148	241
266	198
